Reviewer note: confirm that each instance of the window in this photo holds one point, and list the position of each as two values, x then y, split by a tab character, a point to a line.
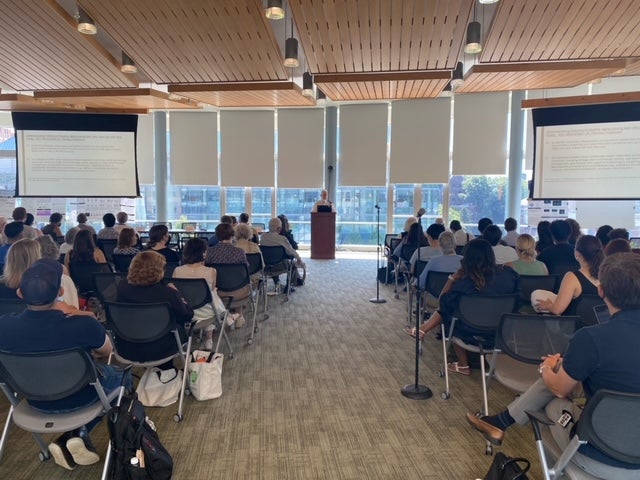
235	203
403	205
475	196
296	203
357	215
260	205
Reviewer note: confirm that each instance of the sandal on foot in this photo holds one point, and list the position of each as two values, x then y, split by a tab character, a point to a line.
455	368
411	331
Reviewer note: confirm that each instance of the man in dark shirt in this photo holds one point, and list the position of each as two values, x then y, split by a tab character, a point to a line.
604	356
560	258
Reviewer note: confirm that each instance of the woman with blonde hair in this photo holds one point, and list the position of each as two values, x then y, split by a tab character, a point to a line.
527	263
20	257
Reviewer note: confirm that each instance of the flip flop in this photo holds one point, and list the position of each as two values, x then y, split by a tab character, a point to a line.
455	368
411	331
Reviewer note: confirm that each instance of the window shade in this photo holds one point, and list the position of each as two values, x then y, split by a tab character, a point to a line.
194	148
480	134
144	150
300	148
247	148
363	145
420	141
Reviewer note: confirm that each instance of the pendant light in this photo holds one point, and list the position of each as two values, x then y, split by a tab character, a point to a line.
291	50
458	79
86	24
473	45
128	65
274	10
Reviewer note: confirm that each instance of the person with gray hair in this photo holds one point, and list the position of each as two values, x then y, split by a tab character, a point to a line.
447	262
49	249
272	238
82	220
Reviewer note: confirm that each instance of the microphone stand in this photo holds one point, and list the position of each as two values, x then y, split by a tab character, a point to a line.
377	299
415	391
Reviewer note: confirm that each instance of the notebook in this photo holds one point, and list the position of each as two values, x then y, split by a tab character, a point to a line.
602	314
324	208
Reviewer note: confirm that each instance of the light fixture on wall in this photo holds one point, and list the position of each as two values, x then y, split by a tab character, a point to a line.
321	98
487	2
128	65
447	91
86	24
274	10
291	50
307	85
458	79
474	29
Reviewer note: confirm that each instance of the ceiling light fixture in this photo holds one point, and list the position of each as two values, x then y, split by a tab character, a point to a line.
128	65
447	91
474	30
307	85
291	50
320	97
488	2
458	79
86	24
274	10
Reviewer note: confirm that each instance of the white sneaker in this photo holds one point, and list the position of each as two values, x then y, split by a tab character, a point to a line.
80	453
208	344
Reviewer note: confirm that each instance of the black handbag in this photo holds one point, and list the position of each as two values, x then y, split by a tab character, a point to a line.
507	468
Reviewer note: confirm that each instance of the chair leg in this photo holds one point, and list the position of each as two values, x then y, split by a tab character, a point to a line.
185	369
485	401
5	430
446	394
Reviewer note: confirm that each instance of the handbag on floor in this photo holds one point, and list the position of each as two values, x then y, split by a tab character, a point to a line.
205	375
507	468
159	388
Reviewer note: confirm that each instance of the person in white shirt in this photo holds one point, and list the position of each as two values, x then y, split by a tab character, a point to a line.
504	255
324	201
460	235
433	250
510	225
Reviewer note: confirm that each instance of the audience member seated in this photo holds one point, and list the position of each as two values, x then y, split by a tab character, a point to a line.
53	227
82	223
108	232
561	253
127	241
286	231
3	223
510	225
478	274
69	238
461	236
213	240
526	264
226	252
619	233
243	234
504	255
193	267
13	232
604	356
20	215
273	238
484	223
432	250
50	251
84	250
22	254
447	262
576	233
617	245
545	239
158	239
575	283
603	234
144	285
121	218
48	325
244	219
415	238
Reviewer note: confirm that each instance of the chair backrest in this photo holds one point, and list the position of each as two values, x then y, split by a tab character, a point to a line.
529	283
484	311
106	285
12	305
393	244
255	263
420	267
259	226
611	423
195	291
584	309
47	376
139	322
436	282
121	261
387	239
82	274
527	338
108	245
407	252
169	267
273	255
460	249
231	276
561	268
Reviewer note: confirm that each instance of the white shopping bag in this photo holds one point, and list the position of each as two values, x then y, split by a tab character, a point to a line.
205	375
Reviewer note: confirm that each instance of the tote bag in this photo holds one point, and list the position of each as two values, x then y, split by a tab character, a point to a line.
159	388
205	375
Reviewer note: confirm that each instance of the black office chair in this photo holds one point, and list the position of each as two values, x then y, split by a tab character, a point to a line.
108	245
258	285
584	309
134	326
435	282
197	294
82	275
105	286
529	283
169	267
47	376
121	261
403	267
610	422
233	277
276	263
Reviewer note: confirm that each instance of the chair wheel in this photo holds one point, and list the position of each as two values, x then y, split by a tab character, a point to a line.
445	395
230	356
441	374
266	316
255	330
177	418
488	450
44	456
396	296
250	341
187	392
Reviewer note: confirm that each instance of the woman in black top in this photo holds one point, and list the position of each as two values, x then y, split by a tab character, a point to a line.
158	239
286	231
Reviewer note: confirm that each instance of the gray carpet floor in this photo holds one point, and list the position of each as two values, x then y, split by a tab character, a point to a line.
317	396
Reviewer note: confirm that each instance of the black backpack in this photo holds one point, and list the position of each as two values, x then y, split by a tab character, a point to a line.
131	431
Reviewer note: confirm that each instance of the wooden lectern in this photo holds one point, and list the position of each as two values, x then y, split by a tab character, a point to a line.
323	235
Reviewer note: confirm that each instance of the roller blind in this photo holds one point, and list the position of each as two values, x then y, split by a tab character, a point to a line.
144	150
300	148
480	134
247	148
194	148
420	141
363	145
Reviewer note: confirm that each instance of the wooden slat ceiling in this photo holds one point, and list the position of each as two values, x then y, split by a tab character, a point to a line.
413	44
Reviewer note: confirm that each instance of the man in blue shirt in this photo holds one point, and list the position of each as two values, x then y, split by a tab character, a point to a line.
604	356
